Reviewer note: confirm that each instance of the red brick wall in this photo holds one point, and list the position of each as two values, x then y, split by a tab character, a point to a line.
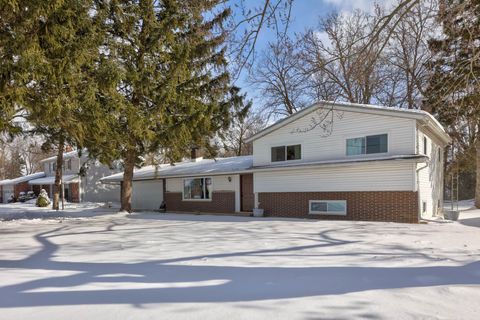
21	187
74	192
222	202
396	206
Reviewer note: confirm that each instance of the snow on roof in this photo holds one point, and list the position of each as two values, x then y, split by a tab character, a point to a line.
22	179
51	179
66	155
416	157
189	168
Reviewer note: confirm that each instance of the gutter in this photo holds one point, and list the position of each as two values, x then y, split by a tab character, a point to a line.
417	158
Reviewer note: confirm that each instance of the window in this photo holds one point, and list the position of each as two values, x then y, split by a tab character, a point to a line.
424	206
197	189
282	153
367	145
278	154
425	145
293	152
69	164
332	207
439	155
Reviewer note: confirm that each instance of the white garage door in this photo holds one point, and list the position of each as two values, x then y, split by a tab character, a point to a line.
7	193
147	195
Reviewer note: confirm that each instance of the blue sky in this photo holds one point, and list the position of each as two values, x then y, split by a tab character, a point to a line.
305	14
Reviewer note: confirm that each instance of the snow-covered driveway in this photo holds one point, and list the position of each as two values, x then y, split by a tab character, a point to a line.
172	266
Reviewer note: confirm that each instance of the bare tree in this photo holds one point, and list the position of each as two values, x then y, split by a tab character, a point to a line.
340	66
407	55
233	139
280	79
249	19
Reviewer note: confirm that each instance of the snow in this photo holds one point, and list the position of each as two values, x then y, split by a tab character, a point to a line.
189	168
22	179
105	265
51	179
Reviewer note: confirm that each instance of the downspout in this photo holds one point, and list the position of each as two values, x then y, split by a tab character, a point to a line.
417	171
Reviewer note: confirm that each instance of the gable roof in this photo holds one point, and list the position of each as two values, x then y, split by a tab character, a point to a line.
420	115
188	168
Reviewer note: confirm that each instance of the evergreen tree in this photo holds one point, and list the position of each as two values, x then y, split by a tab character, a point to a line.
454	91
52	46
163	81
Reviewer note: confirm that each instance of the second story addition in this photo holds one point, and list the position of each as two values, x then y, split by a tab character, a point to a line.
348	132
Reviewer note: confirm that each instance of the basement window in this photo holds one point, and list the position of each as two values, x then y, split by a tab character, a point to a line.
330	207
197	189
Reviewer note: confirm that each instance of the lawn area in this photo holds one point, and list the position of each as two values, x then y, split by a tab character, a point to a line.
105	265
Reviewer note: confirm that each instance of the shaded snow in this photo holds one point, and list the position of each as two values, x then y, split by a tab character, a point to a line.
181	266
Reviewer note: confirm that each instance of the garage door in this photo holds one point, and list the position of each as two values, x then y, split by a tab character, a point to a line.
6	195
147	195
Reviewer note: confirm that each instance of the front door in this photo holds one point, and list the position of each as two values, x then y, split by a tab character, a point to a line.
246	192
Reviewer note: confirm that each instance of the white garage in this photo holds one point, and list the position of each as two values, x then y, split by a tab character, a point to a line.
147	194
7	192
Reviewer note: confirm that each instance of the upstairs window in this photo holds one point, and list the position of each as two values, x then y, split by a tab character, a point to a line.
425	145
367	145
283	153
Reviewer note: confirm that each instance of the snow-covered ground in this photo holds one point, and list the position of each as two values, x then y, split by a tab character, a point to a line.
98	264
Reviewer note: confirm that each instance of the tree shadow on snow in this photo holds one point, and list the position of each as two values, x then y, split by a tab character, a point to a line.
171	281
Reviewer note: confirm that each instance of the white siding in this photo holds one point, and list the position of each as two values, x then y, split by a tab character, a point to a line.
430	176
174	185
147	195
381	176
92	190
7	192
75	167
316	145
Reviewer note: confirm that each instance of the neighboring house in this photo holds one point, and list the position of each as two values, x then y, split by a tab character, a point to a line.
15	186
81	180
362	162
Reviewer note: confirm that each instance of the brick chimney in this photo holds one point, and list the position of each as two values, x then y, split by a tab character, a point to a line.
193	153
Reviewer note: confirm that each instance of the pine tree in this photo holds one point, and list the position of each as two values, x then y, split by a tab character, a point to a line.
163	82
52	48
454	90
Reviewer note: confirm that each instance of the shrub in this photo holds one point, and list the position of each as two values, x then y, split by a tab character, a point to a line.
42	202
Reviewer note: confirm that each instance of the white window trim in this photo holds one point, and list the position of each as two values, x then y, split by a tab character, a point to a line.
330	213
196	200
285	145
363	155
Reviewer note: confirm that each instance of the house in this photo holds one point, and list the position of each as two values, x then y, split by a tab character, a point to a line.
81	180
13	187
331	160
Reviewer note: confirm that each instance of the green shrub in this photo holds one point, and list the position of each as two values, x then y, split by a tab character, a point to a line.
42	202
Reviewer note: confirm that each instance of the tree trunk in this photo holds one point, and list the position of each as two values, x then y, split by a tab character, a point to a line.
477	185
58	174
129	164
